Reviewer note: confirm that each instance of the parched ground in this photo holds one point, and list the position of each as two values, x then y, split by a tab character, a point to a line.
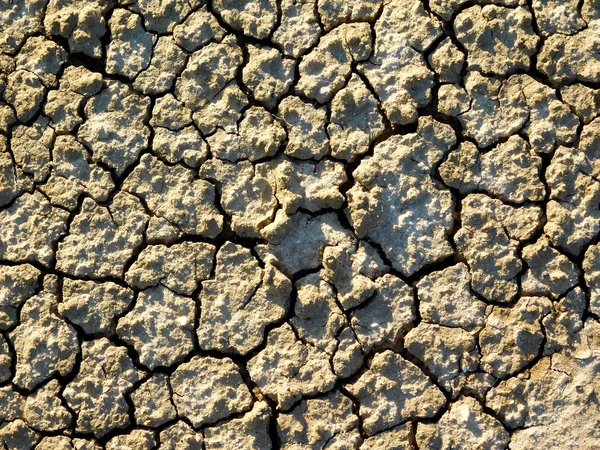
299	224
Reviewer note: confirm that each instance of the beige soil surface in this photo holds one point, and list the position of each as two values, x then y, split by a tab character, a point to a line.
299	224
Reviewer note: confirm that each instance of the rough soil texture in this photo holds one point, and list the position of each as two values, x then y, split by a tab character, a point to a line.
299	224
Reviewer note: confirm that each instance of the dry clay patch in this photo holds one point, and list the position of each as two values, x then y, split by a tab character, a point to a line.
299	224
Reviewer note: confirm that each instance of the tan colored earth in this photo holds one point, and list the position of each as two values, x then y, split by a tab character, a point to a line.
299	224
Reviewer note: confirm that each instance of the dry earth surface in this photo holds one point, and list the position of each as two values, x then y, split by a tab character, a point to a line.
299	224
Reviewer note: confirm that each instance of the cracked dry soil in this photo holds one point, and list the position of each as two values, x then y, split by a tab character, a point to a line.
299	224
